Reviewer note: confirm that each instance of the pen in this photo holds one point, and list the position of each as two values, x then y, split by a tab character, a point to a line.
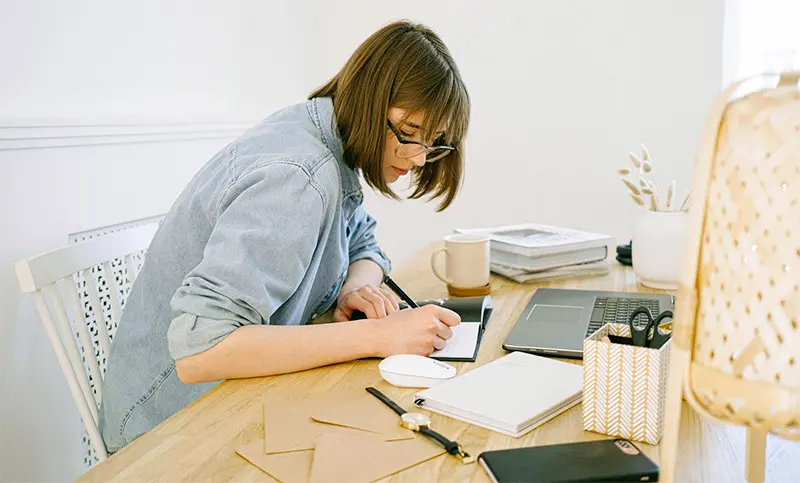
399	291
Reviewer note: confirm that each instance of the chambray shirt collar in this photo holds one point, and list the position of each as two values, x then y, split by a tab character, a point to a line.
321	110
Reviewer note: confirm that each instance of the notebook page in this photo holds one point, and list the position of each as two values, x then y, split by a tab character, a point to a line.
463	342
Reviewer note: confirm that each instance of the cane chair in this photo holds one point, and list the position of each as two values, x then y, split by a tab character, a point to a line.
736	343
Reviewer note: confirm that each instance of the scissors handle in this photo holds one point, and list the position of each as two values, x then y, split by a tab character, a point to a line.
660	338
639	336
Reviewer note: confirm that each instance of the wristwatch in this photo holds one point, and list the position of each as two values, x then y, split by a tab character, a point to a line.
421	423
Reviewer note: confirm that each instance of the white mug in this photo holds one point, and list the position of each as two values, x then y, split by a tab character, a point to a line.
466	260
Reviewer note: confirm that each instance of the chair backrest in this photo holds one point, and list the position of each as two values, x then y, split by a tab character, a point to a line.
740	301
65	290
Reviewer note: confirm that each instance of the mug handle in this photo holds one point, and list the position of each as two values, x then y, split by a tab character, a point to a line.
434	257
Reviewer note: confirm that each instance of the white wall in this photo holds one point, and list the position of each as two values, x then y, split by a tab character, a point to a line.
147	67
149	60
561	92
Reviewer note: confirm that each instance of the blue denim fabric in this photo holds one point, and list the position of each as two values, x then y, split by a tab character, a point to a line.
263	234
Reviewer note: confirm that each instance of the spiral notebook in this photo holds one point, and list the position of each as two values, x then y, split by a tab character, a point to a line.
511	395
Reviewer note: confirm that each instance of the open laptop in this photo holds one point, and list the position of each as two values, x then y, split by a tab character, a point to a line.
556	321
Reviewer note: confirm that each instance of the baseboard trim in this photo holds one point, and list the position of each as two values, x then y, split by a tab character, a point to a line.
54	135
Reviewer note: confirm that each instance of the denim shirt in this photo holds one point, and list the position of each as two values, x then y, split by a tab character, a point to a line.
263	234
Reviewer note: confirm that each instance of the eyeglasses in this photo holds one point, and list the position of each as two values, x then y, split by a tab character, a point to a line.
409	149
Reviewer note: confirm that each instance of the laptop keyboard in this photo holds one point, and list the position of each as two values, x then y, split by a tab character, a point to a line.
618	310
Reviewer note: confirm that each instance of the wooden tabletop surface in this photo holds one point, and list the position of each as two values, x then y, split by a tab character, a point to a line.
198	443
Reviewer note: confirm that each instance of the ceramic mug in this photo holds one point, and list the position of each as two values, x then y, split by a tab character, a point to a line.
466	260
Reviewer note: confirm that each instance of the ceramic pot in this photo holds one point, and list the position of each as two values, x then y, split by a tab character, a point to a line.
658	245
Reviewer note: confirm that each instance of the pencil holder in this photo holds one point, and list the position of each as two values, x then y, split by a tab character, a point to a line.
624	386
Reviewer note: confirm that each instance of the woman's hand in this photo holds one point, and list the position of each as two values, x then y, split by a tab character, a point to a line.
415	331
375	302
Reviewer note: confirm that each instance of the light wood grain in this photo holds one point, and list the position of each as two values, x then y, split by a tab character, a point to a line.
198	443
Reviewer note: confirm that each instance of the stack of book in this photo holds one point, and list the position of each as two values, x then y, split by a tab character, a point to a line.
535	252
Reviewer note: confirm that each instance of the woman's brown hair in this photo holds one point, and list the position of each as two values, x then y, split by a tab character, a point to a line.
403	65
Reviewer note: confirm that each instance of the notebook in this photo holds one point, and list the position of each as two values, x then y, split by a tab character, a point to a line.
466	340
511	395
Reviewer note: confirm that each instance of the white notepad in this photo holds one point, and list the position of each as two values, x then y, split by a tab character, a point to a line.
463	343
511	395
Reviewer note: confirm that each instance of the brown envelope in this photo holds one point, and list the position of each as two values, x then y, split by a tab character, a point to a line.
287	467
363	412
357	457
295	426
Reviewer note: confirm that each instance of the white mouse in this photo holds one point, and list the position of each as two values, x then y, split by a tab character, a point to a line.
409	370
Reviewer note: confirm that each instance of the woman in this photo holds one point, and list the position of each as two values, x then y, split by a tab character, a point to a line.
271	232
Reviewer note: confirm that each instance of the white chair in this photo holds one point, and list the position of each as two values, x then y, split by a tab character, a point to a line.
71	302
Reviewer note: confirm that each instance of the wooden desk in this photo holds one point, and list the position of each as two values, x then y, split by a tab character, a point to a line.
197	443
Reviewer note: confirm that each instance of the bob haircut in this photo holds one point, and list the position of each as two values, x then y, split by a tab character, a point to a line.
404	65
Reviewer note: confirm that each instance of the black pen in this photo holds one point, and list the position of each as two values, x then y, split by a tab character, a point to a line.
399	291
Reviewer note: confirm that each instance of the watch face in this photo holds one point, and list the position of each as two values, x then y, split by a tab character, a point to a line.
416	419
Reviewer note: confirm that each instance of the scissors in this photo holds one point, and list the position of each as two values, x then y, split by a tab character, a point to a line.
641	335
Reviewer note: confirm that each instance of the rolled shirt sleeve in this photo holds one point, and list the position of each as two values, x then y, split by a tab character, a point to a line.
362	241
255	259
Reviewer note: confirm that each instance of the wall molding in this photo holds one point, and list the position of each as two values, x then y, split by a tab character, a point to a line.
15	136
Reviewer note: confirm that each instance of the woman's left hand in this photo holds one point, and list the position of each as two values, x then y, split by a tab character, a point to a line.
375	302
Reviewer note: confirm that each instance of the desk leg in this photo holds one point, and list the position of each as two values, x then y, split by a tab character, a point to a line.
679	362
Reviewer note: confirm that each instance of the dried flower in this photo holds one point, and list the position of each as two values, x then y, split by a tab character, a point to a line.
646	194
653	202
632	187
685	204
670	193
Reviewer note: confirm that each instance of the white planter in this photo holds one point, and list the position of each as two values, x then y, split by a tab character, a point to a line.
658	246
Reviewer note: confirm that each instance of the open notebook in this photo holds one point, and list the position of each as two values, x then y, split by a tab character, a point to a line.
466	340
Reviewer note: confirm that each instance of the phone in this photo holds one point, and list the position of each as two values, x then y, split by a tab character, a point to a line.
600	461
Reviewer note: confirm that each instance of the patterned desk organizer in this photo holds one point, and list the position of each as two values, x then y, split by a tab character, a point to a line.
624	387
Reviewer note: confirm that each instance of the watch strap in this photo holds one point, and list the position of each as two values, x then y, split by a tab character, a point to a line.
449	446
385	400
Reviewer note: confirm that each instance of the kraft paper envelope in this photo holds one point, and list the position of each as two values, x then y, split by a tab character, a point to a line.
287	467
360	457
342	457
364	412
295	426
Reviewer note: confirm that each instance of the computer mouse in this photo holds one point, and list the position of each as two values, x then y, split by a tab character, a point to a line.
410	370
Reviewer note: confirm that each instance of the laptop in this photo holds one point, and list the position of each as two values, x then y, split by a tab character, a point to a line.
556	321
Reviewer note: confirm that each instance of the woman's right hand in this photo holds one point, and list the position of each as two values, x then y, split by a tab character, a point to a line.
415	331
